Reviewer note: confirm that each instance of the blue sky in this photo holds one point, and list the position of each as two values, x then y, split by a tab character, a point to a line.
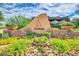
33	9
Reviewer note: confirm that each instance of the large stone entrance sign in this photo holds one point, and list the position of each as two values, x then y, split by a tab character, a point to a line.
40	23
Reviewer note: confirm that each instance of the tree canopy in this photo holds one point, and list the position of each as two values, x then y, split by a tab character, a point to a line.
19	21
1	16
76	22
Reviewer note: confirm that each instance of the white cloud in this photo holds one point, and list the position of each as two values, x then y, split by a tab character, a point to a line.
63	9
54	9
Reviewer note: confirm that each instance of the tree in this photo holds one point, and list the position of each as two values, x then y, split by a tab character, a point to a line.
66	18
19	21
1	16
1	20
76	22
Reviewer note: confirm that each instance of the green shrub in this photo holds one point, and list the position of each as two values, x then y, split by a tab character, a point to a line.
0	35
2	26
46	34
31	34
6	41
2	53
73	44
60	45
75	21
76	30
19	21
56	25
41	50
5	35
40	40
18	48
65	45
67	24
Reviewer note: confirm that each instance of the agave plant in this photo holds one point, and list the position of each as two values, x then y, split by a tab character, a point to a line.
19	21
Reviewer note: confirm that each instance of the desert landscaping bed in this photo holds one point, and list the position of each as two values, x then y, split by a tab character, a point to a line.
30	47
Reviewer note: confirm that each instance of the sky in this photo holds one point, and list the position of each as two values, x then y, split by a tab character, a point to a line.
33	9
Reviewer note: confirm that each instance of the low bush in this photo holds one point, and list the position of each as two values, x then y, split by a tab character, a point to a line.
56	25
65	45
0	35
18	48
31	34
68	24
40	40
73	44
10	40
76	30
47	34
41	50
60	45
5	35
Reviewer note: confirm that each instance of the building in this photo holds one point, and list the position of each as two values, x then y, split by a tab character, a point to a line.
58	19
54	20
